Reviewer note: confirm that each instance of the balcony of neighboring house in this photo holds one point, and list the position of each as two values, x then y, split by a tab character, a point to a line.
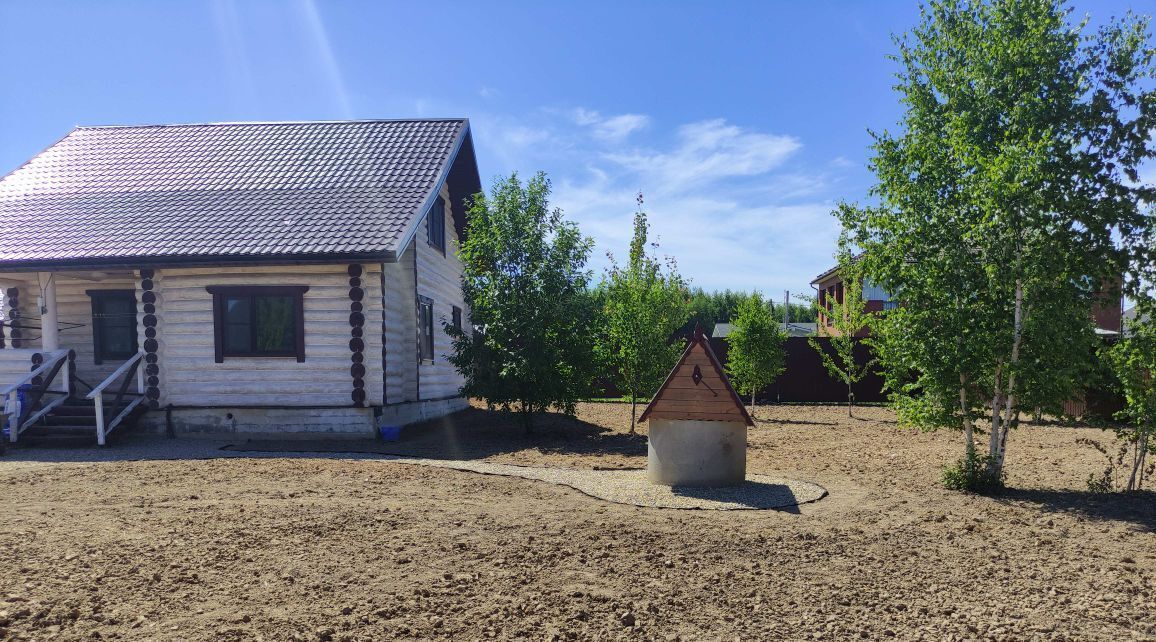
830	287
70	364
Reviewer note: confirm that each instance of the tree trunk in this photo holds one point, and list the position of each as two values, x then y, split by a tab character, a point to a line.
1141	453
752	402
633	407
968	426
1010	397
996	412
850	399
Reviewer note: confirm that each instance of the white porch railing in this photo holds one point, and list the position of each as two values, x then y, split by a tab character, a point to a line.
126	370
20	415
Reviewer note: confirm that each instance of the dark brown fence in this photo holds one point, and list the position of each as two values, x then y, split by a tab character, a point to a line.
806	380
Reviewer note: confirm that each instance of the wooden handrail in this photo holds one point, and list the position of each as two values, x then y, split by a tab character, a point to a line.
44	368
124	367
30	410
126	370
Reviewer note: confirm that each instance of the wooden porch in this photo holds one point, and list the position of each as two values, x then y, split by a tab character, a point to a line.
58	330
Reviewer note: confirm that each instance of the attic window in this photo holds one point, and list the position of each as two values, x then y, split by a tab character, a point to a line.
437	225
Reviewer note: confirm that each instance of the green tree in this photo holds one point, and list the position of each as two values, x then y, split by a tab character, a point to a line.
845	320
645	305
1010	192
527	291
755	352
1133	360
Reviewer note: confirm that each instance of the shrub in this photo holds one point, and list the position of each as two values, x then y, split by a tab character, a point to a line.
973	473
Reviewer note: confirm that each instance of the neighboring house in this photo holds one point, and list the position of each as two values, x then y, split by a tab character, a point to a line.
265	277
830	287
1106	313
723	330
1131	316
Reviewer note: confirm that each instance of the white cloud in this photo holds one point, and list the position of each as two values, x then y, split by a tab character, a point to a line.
734	205
708	151
611	129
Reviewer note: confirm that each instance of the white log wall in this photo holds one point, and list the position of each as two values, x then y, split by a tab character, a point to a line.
189	376
439	277
400	306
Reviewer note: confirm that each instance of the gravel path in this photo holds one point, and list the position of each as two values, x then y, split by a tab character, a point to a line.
623	486
632	487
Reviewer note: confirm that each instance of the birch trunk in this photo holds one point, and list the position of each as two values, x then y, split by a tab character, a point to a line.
1017	339
996	408
968	427
1137	476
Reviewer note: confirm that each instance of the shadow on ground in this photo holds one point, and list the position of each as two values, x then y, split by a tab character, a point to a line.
793	422
476	433
1136	508
752	494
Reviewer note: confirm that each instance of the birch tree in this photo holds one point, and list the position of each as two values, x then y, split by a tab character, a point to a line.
844	320
1007	196
755	353
1133	361
646	303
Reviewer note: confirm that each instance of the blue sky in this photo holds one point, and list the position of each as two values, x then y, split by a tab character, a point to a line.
743	123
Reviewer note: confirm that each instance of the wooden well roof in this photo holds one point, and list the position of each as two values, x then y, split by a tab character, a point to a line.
697	389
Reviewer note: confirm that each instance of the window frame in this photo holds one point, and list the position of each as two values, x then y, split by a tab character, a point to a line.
457	318
97	298
425	329
437	213
295	292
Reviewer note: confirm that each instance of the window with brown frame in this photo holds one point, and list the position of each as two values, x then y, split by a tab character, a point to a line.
114	335
425	323
258	321
437	225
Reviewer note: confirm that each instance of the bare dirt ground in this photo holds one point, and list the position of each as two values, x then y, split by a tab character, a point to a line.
326	549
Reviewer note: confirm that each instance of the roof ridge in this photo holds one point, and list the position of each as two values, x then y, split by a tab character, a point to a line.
280	122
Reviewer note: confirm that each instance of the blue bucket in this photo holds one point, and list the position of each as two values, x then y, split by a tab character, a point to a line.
390	433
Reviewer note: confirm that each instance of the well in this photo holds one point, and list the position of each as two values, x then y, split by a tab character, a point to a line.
698	424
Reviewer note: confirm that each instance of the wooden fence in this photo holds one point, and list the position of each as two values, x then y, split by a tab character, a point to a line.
806	380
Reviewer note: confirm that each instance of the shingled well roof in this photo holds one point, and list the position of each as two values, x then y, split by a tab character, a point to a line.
231	192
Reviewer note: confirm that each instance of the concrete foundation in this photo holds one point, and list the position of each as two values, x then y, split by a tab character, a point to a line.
413	412
697	453
314	421
306	422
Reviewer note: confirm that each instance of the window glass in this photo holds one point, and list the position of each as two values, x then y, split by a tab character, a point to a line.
238	325
275	324
425	329
259	324
114	318
437	225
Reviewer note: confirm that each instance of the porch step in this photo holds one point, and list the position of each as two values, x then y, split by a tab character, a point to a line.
72	425
31	440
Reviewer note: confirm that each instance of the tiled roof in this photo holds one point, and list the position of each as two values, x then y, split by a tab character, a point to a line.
245	190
